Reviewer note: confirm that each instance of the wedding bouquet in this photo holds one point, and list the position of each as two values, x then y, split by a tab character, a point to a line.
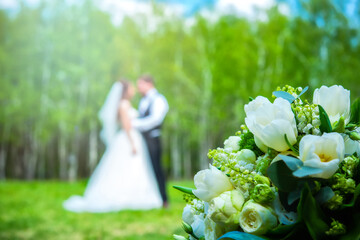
292	172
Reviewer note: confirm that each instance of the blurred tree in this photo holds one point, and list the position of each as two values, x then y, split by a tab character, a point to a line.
59	60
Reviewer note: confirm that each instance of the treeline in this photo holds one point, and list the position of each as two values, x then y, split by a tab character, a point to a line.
58	62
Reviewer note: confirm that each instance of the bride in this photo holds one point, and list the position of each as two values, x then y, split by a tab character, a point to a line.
123	178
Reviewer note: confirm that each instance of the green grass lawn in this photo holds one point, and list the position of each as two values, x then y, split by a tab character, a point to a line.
33	210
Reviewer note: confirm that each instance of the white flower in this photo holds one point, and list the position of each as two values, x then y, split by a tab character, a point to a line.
188	214
335	100
307	128
212	230
246	155
232	143
256	219
210	183
198	226
260	144
324	152
227	206
351	146
269	122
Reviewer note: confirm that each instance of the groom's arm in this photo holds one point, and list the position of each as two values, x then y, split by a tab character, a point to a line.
158	112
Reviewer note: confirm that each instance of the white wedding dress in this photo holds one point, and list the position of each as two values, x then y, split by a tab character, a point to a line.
121	180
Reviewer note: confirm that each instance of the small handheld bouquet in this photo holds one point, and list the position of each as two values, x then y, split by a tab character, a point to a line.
292	172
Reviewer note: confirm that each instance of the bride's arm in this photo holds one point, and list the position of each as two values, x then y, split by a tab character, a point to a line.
124	108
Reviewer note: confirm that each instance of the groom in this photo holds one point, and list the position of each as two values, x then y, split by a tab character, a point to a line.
152	109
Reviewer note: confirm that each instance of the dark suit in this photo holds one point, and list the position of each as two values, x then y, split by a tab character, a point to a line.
153	141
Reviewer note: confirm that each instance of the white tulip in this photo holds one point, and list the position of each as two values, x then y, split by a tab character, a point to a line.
269	122
324	152
232	143
256	219
227	206
210	183
261	145
335	100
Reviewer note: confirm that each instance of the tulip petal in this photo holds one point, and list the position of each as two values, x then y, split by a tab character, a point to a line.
323	152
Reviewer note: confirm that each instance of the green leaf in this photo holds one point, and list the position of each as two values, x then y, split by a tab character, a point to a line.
355	112
303	91
299	233
293	196
325	125
324	195
310	212
251	99
290	146
306	171
353	230
282	230
187	228
339	126
351	126
184	189
284	95
240	236
292	163
281	176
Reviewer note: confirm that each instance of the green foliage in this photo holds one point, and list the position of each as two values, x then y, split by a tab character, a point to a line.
247	142
339	126
355	112
310	213
262	193
184	189
325	125
58	62
285	95
342	184
336	228
350	167
282	177
355	197
263	164
354	223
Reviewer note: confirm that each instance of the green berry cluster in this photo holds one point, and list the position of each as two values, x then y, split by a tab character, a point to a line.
336	228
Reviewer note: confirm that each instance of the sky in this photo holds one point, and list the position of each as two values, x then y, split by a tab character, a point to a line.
185	8
211	9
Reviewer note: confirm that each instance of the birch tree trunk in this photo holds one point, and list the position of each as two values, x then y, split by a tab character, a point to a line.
30	157
175	139
62	153
205	107
3	150
93	148
187	161
175	157
73	167
2	162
